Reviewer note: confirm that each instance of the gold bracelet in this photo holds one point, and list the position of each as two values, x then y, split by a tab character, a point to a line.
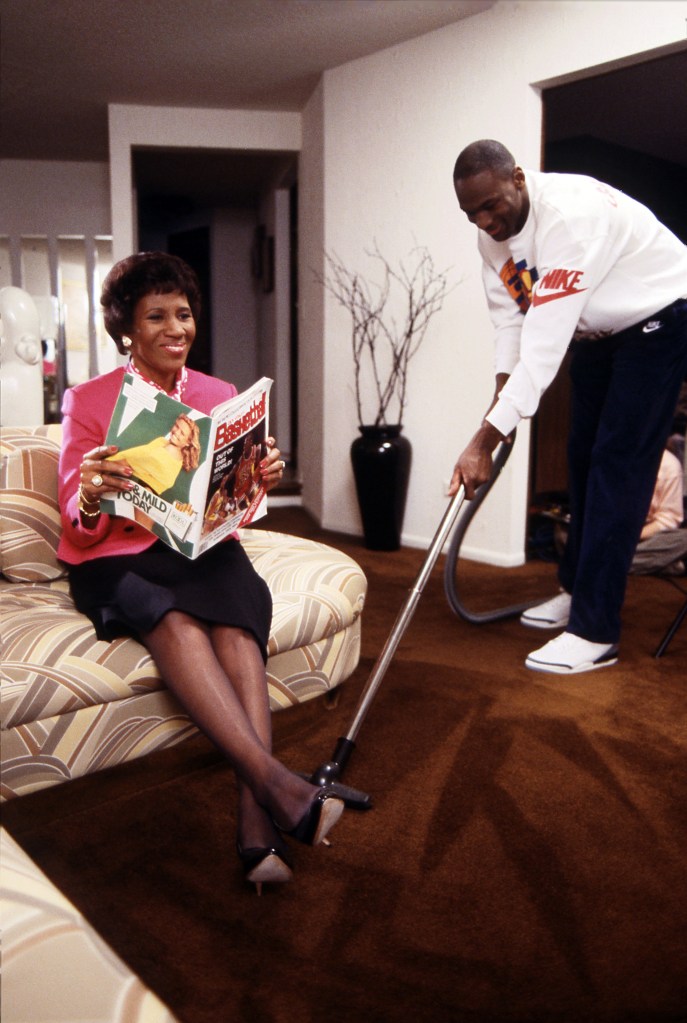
81	500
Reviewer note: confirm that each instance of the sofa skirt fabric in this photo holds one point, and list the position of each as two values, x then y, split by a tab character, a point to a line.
51	750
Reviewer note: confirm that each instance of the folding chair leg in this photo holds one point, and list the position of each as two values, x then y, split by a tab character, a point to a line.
680	617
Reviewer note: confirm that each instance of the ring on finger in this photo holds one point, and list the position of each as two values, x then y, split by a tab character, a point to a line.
97	480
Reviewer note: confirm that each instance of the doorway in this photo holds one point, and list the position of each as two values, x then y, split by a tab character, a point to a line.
208	206
620	127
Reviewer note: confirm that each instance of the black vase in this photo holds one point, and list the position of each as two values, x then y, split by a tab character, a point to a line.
381	467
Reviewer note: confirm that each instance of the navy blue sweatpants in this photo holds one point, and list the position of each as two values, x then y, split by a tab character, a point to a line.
624	393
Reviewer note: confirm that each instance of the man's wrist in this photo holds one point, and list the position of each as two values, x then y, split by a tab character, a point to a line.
488	436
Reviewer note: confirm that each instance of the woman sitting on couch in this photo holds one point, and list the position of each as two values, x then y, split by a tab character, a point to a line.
206	622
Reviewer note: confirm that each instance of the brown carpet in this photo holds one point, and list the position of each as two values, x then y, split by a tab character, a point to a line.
524	861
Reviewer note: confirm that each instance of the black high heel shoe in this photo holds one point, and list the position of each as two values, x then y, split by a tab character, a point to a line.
265	865
318	820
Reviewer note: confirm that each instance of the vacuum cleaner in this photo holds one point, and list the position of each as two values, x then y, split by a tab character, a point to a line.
329	773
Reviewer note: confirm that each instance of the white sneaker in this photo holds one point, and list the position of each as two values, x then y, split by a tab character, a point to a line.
568	654
553	614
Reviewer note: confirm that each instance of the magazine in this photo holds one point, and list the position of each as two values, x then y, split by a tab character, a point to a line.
196	476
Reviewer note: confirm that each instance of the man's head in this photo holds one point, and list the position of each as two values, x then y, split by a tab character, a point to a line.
491	189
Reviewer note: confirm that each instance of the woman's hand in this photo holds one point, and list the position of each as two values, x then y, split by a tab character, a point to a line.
98	475
272	466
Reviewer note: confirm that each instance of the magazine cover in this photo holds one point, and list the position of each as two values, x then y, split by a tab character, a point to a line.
196	476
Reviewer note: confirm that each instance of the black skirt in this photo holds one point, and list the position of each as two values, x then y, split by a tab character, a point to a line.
129	594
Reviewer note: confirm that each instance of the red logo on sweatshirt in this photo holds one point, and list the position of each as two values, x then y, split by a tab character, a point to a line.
557	284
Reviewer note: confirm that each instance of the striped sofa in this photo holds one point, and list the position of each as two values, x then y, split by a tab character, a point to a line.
55	966
72	704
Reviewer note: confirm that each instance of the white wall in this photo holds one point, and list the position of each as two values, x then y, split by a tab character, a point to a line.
234	301
47	197
279	324
392	126
318	466
61	201
51	199
274	317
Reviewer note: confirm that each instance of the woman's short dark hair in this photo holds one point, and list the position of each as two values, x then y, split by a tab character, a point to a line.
144	273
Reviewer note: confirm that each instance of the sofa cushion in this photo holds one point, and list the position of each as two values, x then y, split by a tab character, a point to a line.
29	515
54	664
316	590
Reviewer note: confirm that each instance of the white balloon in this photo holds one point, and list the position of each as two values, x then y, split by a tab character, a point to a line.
21	360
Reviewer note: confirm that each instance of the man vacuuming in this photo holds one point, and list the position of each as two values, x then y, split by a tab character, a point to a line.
570	262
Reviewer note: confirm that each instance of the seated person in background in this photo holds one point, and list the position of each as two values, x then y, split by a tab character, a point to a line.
666	510
662	543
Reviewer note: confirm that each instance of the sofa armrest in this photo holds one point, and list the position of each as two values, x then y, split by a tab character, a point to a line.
55	965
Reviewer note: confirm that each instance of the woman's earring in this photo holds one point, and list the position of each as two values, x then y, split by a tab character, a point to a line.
126	342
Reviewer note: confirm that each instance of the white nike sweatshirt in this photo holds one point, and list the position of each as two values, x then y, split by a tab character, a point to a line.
589	262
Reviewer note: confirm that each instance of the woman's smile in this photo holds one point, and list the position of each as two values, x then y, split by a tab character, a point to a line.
161	336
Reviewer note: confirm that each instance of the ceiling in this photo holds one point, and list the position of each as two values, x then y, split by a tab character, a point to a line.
63	61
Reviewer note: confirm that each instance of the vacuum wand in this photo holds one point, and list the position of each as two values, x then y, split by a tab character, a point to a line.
329	772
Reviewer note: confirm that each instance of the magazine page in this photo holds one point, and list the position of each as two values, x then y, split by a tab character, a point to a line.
168	446
236	494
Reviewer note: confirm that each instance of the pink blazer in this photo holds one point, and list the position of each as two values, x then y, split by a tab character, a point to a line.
86	413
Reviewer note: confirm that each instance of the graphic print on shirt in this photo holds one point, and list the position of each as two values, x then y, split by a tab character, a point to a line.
558	284
519	281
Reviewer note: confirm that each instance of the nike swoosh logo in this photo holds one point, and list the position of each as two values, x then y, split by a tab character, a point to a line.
539	299
650	327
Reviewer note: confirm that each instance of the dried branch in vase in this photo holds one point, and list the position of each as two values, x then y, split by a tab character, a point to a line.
378	341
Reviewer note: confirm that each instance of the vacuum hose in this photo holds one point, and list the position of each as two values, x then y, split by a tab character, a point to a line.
451	566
